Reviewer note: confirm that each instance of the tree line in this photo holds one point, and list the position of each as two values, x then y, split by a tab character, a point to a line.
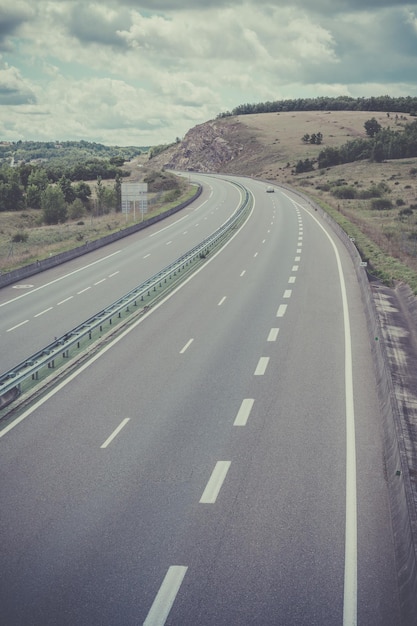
33	187
381	145
69	151
407	104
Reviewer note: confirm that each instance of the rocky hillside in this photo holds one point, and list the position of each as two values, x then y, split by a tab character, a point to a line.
215	146
266	145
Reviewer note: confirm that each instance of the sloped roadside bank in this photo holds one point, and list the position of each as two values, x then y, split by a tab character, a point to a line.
45	264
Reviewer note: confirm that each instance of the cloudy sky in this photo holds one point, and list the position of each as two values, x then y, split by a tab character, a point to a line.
133	72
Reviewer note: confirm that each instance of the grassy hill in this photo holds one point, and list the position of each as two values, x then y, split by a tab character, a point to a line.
268	146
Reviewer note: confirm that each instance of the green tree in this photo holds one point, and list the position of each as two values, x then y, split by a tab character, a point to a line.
83	191
11	191
118	191
33	197
109	200
67	189
76	209
372	127
39	177
100	195
304	166
54	207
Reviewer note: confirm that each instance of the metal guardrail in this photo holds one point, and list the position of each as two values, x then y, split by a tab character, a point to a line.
156	286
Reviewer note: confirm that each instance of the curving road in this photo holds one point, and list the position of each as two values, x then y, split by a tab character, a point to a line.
49	304
221	463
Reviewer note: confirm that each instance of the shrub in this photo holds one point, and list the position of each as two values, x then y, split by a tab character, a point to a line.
172	195
76	209
345	192
323	187
381	204
20	237
406	212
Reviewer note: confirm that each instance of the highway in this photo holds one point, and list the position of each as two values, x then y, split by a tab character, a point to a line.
220	463
49	304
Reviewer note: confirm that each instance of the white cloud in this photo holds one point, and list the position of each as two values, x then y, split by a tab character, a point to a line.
110	71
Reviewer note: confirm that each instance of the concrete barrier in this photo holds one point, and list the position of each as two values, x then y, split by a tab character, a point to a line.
46	264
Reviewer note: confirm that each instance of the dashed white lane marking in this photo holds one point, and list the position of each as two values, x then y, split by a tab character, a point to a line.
298	250
168	243
262	365
115	432
114	274
66	300
255	255
244	412
166	595
52	282
146	256
281	310
221	301
263	240
291	280
17	326
83	291
187	345
99	282
273	334
44	311
215	482
297	258
287	293
242	273
294	268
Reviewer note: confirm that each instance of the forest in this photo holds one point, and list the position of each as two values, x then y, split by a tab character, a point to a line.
386	104
28	168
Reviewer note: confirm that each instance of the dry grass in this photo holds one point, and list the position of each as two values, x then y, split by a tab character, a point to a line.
273	145
44	241
270	146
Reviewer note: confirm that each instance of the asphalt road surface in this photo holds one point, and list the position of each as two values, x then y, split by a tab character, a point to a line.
221	463
35	310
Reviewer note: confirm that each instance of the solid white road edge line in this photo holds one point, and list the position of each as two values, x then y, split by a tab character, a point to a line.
350	593
166	595
215	482
116	340
115	432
